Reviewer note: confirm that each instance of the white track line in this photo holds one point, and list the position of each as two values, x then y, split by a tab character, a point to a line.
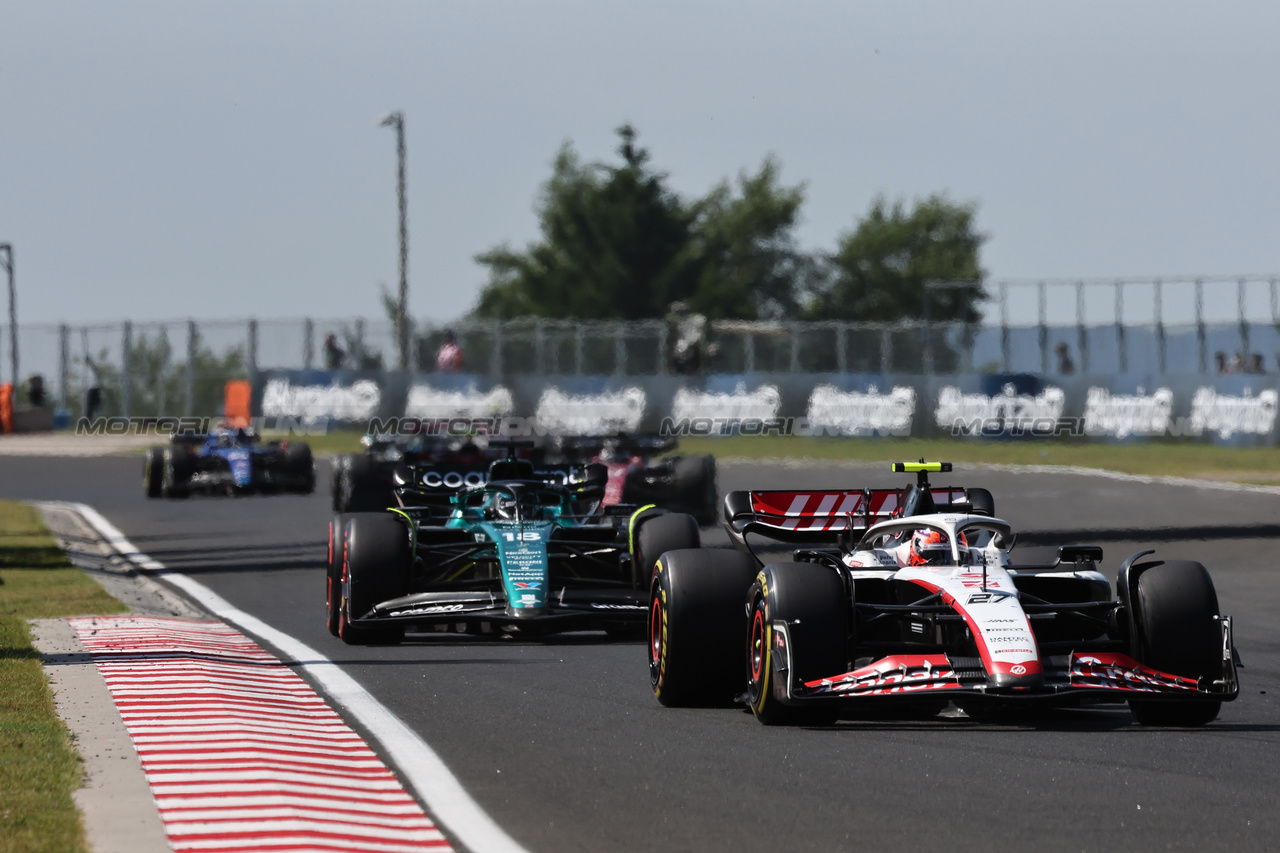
446	800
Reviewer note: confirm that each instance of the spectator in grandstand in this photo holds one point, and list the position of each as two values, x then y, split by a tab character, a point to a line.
1255	364
1065	365
334	355
449	356
1237	364
1220	361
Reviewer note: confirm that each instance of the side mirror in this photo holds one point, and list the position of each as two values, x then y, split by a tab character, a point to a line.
1080	554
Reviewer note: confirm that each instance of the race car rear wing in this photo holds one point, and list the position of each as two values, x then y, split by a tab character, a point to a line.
810	516
435	484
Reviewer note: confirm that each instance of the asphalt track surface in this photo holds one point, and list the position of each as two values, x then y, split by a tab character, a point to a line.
565	747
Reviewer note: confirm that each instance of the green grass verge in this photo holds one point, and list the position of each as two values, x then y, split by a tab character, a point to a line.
40	766
1162	458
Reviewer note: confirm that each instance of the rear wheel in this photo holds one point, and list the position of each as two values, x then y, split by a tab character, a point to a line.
153	472
659	534
179	467
1176	610
696	623
301	467
375	568
811	600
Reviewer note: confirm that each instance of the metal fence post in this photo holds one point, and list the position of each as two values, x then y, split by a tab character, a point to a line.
64	364
1160	338
126	371
162	377
749	353
795	347
357	357
495	357
1244	322
189	390
1200	331
539	363
1043	310
253	350
1082	334
842	347
578	342
308	343
620	349
1121	353
1004	326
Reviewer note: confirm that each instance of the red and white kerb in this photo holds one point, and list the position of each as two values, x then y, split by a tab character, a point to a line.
241	754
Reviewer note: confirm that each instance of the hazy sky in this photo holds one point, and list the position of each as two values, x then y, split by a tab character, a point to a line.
164	160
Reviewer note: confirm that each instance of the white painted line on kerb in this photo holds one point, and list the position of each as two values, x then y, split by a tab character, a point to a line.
446	800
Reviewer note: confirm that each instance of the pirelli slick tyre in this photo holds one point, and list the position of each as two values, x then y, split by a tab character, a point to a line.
1176	610
375	568
153	472
696	623
301	467
179	467
695	481
659	534
333	573
811	600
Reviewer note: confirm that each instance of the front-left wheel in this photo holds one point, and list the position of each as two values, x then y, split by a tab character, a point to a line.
375	568
810	601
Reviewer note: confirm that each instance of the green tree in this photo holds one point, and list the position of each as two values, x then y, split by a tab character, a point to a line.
618	244
612	244
744	250
879	270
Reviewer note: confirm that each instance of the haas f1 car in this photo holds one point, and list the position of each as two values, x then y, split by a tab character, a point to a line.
502	550
227	461
919	604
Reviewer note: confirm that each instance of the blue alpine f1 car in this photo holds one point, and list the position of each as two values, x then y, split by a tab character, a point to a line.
227	461
504	551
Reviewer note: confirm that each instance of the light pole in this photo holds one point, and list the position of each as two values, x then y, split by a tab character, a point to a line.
396	120
7	261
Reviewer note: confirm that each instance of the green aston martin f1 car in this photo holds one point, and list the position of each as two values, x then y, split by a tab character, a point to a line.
516	551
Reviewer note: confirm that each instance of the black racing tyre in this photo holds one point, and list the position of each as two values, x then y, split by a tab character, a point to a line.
365	491
810	598
375	568
335	483
1176	609
696	625
333	572
658	534
301	467
695	478
981	502
179	467
153	472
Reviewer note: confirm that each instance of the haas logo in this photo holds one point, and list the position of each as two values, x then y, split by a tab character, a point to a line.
1018	669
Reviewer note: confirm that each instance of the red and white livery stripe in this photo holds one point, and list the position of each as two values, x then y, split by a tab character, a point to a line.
820	511
241	754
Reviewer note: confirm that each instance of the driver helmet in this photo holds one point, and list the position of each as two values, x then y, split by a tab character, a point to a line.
505	507
932	548
224	438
